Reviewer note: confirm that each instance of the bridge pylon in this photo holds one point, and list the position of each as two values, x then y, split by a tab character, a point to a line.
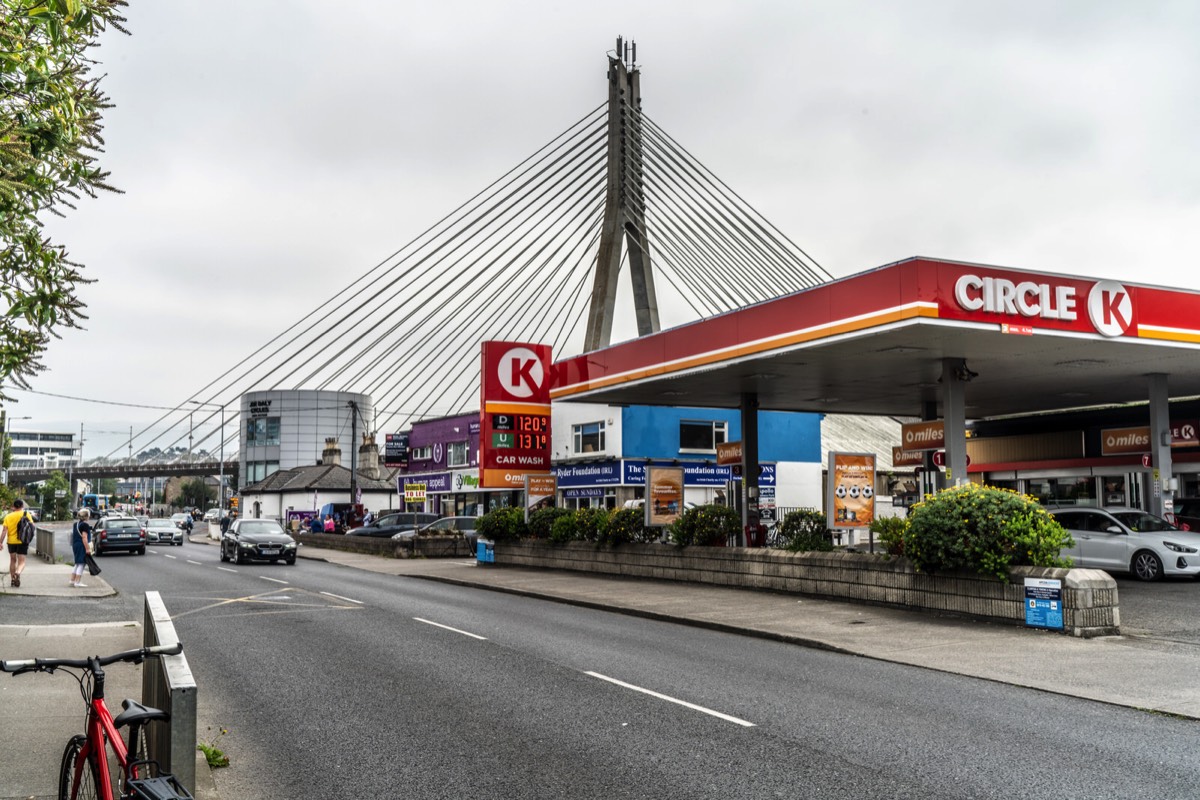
624	207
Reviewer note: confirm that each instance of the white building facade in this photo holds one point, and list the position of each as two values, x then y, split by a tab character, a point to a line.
287	428
44	449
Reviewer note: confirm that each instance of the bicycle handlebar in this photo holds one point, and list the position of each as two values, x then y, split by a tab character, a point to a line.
50	664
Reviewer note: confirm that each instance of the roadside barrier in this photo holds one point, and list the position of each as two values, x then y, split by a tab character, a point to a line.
167	683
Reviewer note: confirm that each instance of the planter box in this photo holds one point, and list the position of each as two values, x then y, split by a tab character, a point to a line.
1089	596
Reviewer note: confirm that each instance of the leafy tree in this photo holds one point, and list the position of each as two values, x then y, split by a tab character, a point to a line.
195	493
106	486
53	506
50	124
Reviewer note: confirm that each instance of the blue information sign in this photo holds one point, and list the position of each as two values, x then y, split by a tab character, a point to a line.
1043	603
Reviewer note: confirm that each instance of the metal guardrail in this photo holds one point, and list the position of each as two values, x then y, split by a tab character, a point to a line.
167	683
44	544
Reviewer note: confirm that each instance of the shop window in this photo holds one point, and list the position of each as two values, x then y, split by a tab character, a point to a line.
421	453
259	470
262	431
702	436
456	454
588	437
1063	491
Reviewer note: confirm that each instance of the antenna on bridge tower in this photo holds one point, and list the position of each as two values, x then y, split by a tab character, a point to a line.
624	207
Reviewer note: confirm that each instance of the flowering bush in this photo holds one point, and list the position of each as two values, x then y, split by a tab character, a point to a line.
503	525
629	525
804	530
890	531
983	529
541	520
705	525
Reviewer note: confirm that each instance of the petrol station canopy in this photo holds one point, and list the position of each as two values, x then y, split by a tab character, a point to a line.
879	342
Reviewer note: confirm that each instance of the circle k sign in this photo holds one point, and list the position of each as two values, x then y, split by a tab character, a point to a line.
516	371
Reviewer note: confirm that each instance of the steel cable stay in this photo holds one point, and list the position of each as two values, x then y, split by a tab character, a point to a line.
670	253
714	237
816	273
454	242
466	274
435	320
598	112
720	221
500	306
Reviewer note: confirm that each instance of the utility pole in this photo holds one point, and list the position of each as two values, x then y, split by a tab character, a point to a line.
624	207
353	451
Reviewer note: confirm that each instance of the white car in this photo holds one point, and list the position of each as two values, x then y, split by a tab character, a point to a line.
212	515
1119	539
163	531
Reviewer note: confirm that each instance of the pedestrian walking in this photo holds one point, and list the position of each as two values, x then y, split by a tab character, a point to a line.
330	526
81	545
16	548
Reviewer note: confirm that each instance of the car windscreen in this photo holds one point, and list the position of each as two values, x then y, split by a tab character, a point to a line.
160	523
123	525
1142	522
259	526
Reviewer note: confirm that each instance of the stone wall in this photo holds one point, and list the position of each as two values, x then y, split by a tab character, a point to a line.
413	547
1089	596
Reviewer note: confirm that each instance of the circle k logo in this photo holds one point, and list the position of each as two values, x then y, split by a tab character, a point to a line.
1110	308
520	372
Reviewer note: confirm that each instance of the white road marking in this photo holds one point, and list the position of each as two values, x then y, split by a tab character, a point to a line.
197	563
339	597
447	627
226	569
273	580
168	556
670	699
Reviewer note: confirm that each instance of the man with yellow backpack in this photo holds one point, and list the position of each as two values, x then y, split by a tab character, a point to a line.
21	531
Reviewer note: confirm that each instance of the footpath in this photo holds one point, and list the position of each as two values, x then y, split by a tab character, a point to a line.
1151	674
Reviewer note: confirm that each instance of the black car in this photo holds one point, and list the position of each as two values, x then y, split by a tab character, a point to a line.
394	522
257	540
119	533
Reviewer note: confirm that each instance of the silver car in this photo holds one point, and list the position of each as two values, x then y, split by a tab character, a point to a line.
163	531
1119	539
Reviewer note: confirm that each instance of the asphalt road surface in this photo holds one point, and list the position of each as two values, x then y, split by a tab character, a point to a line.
337	683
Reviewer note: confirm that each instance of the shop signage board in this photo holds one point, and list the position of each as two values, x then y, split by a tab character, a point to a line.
1125	441
395	450
539	492
907	458
435	482
414	493
1043	603
929	435
729	453
514	438
664	495
851	500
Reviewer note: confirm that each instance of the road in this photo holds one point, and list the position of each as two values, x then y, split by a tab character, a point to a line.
336	683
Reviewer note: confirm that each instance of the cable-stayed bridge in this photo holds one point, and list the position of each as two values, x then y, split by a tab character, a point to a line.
537	255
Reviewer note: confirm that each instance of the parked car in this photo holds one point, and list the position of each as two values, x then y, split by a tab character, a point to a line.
1187	512
1119	539
393	523
163	531
120	533
464	526
257	540
212	515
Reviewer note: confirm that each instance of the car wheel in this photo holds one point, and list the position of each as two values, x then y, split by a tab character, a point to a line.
224	557
141	551
1146	566
291	562
237	556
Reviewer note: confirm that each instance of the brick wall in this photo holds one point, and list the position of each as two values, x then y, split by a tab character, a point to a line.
413	547
1089	596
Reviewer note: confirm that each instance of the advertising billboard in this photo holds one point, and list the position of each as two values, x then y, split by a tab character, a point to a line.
395	450
664	495
539	492
514	437
851	499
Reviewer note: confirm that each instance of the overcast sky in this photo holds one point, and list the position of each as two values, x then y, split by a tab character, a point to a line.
270	151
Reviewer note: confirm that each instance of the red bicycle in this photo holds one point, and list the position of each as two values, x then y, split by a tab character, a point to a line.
85	773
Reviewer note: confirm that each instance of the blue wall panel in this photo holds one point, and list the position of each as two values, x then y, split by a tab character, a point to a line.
653	432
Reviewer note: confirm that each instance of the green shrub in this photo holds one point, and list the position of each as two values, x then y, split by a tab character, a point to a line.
541	520
804	530
890	532
503	525
705	525
592	524
629	525
985	530
564	528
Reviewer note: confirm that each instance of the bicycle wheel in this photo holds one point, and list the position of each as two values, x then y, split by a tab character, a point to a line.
89	779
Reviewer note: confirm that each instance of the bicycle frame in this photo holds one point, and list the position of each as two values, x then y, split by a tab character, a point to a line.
101	734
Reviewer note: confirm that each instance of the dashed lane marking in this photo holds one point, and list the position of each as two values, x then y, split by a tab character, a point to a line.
675	700
447	627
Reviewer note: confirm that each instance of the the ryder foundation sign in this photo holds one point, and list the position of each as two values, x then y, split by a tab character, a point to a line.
514	435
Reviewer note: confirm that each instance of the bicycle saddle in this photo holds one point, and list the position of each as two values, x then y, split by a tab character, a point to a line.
136	712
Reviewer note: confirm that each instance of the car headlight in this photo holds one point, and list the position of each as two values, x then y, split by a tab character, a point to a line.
247	545
289	545
1179	548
